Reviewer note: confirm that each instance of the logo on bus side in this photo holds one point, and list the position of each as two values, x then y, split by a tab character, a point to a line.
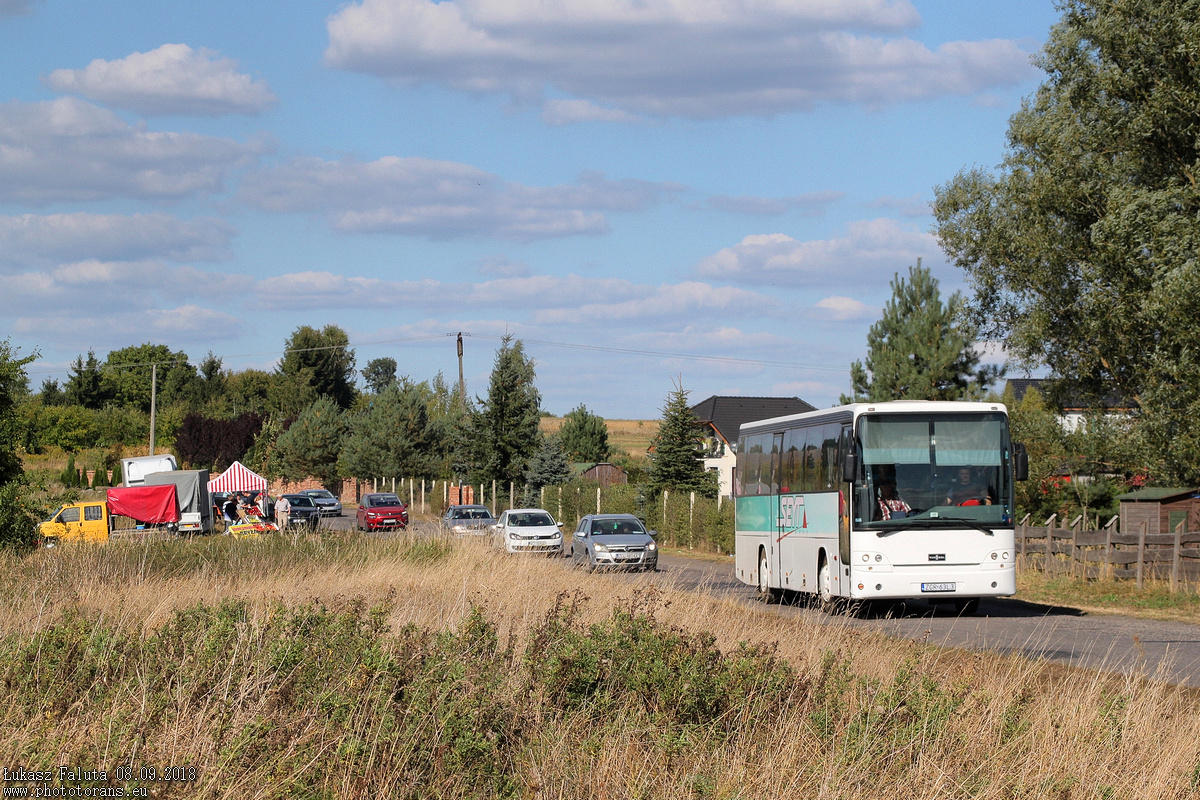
792	513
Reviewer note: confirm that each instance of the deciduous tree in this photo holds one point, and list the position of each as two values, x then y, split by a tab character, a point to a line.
379	373
324	360
1082	248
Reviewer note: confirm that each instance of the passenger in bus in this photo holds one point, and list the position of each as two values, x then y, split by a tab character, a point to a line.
967	490
890	504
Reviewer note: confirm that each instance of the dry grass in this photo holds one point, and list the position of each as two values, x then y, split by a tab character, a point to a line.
1154	600
860	715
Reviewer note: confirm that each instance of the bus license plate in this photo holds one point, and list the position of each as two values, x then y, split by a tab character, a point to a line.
938	587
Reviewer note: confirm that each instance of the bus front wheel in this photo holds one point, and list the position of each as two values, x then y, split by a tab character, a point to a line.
765	592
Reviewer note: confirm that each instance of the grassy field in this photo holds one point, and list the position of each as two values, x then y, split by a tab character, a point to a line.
630	437
350	666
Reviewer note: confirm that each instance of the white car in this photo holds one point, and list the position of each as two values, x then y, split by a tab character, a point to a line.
529	530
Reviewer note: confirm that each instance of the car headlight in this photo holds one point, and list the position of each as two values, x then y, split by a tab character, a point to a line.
652	546
600	548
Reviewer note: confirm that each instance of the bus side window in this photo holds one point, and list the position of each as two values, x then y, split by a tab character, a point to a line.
793	455
812	465
830	472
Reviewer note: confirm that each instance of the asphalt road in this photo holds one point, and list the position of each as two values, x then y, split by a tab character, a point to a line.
1167	651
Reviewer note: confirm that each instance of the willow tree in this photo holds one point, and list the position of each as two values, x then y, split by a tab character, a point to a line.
1082	248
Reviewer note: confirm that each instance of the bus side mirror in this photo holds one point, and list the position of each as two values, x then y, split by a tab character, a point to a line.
849	467
1020	462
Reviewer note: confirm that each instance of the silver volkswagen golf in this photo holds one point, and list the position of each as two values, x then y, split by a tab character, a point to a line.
614	541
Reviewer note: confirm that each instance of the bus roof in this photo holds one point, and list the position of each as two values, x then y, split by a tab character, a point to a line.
853	410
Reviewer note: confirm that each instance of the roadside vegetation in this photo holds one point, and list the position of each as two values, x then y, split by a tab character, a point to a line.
346	666
1153	601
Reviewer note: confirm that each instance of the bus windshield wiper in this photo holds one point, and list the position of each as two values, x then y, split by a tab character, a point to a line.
888	531
970	523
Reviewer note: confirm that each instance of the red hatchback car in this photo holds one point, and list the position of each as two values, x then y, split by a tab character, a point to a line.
381	512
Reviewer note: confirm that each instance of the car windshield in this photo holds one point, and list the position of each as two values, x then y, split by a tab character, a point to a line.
472	513
301	500
322	494
530	519
604	527
384	500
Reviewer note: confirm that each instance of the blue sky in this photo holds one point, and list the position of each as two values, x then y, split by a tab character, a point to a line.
644	191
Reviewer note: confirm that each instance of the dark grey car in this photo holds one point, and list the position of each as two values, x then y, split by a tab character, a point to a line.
303	510
614	541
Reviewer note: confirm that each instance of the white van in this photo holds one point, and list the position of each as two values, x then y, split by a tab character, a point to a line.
135	470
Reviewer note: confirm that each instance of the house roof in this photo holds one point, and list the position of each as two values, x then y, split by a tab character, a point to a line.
1113	401
726	414
1155	494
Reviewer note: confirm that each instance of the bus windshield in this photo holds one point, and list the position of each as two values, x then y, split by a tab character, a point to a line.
932	470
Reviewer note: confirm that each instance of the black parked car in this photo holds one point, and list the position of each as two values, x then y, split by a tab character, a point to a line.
303	510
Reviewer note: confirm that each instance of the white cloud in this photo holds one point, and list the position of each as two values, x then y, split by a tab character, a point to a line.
566	112
535	299
106	328
843	309
668	58
812	204
173	79
870	248
69	149
443	199
33	239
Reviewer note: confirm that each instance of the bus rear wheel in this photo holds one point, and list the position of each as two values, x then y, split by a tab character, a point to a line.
825	586
765	592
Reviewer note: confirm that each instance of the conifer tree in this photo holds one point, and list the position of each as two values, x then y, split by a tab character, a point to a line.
918	350
310	447
502	433
548	467
393	437
678	449
585	436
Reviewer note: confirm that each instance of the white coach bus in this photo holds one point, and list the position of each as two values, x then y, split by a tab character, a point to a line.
872	501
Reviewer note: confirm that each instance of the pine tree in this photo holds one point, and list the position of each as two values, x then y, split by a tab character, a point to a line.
548	467
502	433
393	437
918	350
585	436
678	449
310	447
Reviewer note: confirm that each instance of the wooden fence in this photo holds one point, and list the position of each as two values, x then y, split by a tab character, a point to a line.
1109	553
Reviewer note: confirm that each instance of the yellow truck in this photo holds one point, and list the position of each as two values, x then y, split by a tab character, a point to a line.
124	513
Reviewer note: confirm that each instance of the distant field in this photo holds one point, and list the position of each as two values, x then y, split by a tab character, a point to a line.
628	436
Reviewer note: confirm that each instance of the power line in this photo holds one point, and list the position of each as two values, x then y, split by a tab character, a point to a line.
798	365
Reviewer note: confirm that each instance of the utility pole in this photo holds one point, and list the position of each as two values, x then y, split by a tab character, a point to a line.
153	402
462	386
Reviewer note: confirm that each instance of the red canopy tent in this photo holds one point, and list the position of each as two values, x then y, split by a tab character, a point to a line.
238	479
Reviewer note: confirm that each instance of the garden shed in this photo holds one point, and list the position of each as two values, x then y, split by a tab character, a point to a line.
1162	509
603	473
